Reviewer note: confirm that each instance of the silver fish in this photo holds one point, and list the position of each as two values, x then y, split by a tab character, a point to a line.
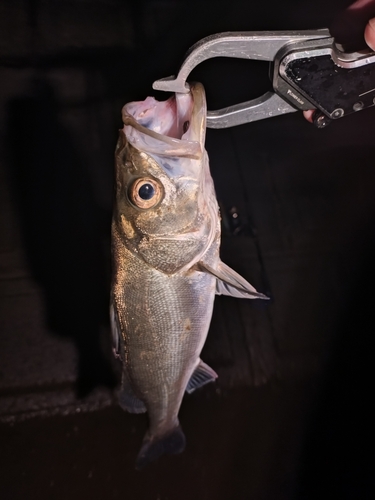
166	265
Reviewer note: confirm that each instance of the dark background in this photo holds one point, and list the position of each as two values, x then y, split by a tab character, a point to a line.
290	415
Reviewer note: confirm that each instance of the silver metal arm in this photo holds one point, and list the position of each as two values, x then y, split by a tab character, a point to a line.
261	46
268	105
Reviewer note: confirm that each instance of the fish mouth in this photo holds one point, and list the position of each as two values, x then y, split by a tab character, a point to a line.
175	127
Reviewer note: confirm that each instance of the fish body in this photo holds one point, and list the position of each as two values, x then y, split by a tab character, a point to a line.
166	264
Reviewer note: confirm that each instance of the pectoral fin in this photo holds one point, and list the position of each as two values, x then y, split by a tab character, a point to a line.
126	396
231	283
115	331
202	375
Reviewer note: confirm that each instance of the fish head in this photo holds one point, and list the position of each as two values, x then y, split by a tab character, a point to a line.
165	199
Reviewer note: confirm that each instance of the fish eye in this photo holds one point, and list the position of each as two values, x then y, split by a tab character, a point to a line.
145	193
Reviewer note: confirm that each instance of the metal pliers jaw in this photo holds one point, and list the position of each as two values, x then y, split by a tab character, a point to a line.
294	55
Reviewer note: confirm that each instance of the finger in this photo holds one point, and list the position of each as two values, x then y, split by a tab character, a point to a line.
309	115
349	25
370	33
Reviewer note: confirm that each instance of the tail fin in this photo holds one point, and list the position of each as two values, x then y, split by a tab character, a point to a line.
154	447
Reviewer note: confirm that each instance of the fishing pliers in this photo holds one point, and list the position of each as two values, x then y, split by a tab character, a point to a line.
309	70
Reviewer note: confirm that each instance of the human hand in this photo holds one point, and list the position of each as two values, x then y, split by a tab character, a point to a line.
350	27
356	21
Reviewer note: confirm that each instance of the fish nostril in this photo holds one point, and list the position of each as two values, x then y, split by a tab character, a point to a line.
185	126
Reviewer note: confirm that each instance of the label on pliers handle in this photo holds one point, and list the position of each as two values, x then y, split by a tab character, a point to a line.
334	90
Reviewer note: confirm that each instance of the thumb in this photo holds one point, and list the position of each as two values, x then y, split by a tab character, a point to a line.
370	33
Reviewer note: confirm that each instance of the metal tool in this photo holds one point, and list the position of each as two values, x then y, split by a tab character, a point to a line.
309	71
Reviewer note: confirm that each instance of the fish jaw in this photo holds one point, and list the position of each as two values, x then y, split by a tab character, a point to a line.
174	128
166	118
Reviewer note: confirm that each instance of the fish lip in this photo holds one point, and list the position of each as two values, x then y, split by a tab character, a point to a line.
191	143
197	128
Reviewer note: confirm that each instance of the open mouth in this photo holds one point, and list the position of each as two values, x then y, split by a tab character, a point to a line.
175	127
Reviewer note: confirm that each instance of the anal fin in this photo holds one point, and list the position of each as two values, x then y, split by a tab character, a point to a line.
202	375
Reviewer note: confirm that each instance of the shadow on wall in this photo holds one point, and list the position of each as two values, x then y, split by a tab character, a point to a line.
62	228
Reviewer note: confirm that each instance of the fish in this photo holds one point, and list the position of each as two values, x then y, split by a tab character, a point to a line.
166	263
